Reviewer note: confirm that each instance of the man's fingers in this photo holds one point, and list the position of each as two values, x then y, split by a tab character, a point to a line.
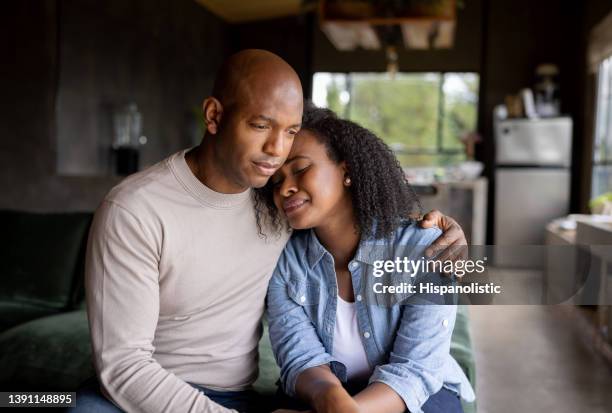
432	250
447	238
433	214
460	250
447	254
431	218
427	222
453	252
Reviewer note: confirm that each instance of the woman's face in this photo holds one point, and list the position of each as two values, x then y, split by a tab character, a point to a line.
309	188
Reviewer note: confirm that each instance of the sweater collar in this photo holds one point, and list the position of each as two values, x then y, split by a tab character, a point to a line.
201	192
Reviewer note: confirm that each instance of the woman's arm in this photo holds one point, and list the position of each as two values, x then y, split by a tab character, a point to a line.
379	398
322	390
295	341
417	363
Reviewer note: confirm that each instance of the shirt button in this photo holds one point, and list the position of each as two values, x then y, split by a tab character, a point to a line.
358	297
302	299
366	334
353	265
445	323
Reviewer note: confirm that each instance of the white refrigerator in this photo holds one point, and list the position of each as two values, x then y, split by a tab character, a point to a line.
532	180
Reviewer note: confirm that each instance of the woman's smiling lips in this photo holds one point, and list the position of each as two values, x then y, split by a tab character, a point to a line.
291	205
266	168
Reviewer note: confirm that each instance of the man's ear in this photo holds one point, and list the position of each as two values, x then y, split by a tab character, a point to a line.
213	111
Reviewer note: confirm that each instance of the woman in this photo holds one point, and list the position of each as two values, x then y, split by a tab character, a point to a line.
344	194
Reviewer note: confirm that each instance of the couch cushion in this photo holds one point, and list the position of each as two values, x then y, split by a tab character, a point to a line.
463	352
269	372
48	354
42	262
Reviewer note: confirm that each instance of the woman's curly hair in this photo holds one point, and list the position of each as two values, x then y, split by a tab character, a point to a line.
381	196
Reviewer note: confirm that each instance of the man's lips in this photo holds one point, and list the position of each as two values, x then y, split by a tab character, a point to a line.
266	168
293	204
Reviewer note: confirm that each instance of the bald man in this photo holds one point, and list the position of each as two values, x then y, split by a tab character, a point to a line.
176	273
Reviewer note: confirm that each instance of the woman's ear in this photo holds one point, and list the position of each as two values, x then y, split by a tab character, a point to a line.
347	178
213	111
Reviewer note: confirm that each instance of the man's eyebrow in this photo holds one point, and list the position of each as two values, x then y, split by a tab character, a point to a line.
264	117
272	121
296	158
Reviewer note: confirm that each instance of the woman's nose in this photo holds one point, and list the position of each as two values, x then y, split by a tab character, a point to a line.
288	187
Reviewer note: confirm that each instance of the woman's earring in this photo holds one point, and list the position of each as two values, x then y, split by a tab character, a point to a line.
347	181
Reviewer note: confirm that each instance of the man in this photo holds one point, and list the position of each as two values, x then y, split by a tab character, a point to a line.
176	271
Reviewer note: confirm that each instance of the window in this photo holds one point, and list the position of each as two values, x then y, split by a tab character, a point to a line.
422	116
602	155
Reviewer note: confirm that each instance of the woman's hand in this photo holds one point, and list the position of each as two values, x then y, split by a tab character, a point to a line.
452	244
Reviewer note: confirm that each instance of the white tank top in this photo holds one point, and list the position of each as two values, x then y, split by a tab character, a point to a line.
348	347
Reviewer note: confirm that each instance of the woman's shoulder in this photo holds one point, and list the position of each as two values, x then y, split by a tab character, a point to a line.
298	241
294	253
410	232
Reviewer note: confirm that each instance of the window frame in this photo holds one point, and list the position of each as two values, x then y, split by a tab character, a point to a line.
601	167
440	149
605	142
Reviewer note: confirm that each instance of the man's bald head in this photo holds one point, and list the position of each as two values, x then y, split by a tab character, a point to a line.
251	119
250	72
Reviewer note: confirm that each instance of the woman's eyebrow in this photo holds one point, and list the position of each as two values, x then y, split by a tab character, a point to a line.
296	158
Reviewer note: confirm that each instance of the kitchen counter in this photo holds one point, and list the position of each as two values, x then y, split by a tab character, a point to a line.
597	236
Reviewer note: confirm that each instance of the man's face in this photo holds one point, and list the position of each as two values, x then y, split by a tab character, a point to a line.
256	134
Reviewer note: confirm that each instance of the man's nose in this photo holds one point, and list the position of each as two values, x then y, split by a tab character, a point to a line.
274	145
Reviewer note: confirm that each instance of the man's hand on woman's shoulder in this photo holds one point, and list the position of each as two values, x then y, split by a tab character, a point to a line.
452	244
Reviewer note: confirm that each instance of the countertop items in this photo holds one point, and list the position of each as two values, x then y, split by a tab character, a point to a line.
425	175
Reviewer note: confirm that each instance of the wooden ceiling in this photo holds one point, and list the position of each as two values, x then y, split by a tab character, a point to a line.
240	11
352	24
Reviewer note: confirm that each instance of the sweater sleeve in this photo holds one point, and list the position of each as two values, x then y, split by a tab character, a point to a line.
122	287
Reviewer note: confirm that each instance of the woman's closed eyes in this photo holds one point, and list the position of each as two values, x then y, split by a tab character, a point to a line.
296	171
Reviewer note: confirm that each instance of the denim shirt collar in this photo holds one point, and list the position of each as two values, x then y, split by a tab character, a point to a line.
314	250
368	251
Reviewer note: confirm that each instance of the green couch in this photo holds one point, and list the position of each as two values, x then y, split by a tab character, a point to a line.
44	337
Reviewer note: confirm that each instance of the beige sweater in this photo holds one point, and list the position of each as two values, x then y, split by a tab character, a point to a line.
176	278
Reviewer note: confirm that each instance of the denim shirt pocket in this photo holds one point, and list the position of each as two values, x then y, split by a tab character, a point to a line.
305	294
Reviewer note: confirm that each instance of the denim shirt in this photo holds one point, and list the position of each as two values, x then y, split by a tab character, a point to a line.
408	345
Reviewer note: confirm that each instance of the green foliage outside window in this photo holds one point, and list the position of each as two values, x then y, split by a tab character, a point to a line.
422	116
